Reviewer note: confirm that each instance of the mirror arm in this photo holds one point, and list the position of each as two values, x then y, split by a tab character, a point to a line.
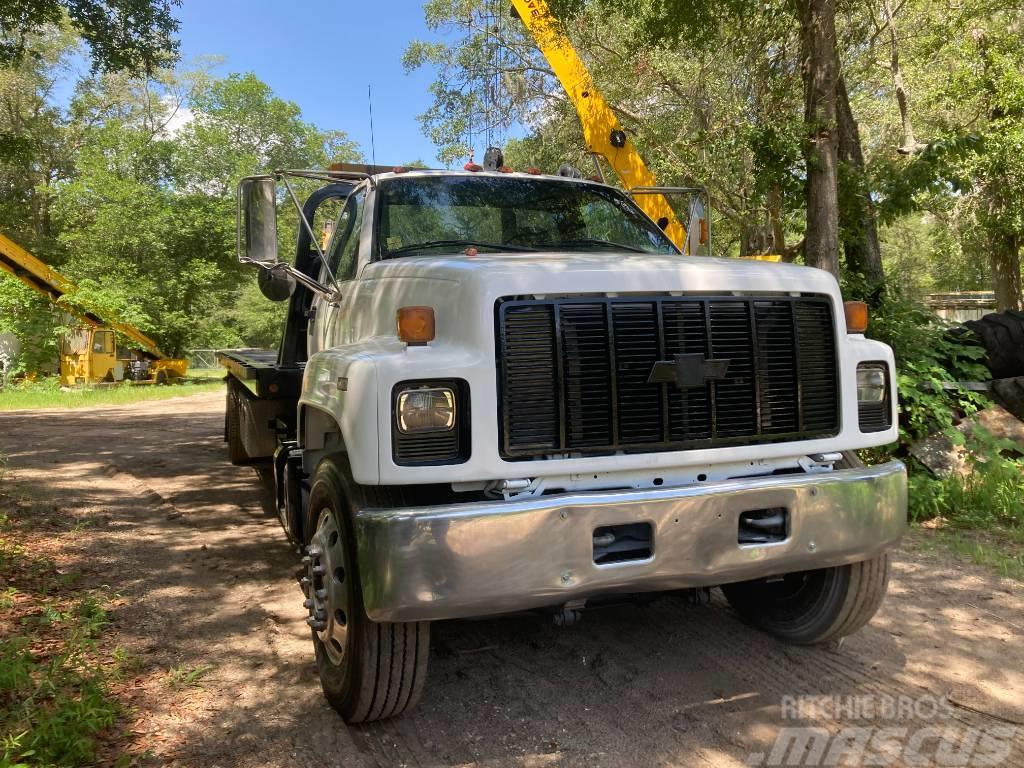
331	294
312	235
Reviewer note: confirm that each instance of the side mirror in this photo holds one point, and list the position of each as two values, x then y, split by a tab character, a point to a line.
276	284
257	220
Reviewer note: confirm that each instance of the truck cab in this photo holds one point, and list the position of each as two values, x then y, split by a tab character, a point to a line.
501	391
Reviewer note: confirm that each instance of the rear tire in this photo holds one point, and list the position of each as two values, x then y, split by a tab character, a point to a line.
368	670
813	607
233	427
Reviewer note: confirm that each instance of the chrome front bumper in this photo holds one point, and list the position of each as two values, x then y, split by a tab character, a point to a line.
485	558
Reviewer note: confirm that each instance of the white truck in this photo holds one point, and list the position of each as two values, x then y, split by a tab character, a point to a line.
503	391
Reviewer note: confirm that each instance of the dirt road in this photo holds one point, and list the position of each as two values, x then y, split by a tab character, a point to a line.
206	579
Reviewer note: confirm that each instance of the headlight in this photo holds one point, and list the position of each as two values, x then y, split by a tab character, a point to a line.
425	410
871	384
874	409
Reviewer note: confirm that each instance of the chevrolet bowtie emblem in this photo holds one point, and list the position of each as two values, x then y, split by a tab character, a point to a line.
690	370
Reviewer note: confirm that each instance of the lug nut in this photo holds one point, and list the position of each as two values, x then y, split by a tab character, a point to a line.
321	594
307	560
307	604
316	624
319	570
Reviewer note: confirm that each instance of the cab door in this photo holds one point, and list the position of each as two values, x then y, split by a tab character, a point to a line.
102	357
342	261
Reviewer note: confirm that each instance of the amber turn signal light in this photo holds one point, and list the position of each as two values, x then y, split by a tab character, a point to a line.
856	316
416	324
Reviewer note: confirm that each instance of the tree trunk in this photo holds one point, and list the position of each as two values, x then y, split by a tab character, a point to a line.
820	70
856	211
775	219
1004	256
909	145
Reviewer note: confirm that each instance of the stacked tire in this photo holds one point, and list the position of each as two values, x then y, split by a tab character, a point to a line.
1001	334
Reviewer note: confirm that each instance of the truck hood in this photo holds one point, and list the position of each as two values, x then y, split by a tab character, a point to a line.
605	272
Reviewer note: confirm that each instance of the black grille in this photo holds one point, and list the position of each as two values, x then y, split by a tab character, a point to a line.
573	373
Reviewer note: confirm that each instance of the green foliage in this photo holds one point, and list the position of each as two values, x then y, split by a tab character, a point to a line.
55	677
182	676
55	705
928	358
922	255
47	393
135	35
989	496
54	708
129	191
32	321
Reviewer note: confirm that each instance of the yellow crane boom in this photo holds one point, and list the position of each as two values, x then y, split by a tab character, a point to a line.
51	284
601	129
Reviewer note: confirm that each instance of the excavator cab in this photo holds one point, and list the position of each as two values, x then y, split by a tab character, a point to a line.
90	354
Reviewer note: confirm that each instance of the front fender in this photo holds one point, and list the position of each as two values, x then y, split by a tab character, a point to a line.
342	383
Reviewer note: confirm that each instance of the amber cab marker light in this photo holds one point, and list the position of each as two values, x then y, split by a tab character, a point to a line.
856	316
416	324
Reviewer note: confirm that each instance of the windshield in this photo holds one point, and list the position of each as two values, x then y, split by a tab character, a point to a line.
438	214
75	342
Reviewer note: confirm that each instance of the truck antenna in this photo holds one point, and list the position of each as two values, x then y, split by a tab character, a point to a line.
373	147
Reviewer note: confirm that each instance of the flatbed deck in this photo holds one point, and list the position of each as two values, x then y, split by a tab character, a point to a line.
260	372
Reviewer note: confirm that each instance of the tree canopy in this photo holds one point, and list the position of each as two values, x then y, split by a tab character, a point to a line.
128	189
924	118
122	35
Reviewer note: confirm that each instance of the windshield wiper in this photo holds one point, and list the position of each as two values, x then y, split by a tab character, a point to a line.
459	243
594	242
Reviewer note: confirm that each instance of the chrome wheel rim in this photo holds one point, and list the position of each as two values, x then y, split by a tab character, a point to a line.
325	587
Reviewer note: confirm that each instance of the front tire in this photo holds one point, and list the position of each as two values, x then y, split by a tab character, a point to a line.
368	670
813	607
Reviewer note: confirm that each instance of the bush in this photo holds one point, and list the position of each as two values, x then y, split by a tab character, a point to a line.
930	361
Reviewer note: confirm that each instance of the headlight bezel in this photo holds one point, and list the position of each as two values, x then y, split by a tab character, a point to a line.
874	414
431	446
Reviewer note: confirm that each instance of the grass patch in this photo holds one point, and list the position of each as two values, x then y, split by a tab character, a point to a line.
182	676
56	702
1000	551
991	496
48	394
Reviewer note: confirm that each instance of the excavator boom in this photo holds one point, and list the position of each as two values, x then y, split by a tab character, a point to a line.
601	129
53	285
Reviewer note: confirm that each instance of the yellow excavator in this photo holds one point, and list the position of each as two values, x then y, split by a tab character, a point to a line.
606	139
90	352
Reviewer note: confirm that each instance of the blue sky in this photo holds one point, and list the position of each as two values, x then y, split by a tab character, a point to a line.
322	54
